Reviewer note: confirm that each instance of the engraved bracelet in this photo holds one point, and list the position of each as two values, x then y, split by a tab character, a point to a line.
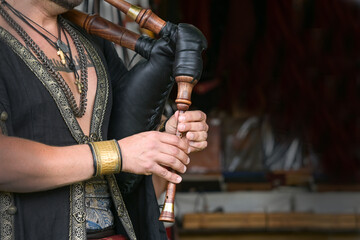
107	157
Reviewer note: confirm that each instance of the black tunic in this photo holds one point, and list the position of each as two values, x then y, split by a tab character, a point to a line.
36	110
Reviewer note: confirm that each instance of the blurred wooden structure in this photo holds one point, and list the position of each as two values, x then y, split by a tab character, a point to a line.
273	221
254	226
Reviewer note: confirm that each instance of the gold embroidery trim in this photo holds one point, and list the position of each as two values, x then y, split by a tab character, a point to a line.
7	221
3	118
7	226
120	206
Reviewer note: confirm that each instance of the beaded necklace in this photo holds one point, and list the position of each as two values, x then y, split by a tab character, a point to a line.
82	84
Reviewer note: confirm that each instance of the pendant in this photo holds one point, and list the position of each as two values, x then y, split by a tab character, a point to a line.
79	85
61	54
60	44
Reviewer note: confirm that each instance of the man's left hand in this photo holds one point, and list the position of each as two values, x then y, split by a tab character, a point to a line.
191	124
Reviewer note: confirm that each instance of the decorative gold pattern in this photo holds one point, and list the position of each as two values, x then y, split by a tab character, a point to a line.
102	95
6	217
77	225
6	200
120	206
107	157
98	204
77	229
3	118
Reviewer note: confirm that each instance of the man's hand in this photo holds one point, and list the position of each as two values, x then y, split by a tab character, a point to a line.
193	124
153	153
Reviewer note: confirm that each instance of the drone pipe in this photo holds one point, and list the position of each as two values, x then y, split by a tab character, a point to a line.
96	25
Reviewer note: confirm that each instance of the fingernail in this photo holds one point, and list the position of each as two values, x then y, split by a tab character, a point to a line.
185	169
189	150
182	118
181	126
188	161
178	179
191	136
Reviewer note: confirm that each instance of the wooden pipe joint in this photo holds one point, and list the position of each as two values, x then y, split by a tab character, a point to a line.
185	86
147	19
144	17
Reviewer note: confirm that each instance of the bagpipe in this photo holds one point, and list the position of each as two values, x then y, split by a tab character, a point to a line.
140	101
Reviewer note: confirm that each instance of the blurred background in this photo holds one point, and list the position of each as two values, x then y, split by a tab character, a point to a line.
281	88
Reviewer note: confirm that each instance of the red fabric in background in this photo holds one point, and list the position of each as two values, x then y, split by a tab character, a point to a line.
302	71
115	237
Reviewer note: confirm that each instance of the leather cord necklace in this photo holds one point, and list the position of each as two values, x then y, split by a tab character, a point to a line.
58	44
82	84
63	49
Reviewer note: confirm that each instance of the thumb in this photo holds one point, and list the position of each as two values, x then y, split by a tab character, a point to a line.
172	123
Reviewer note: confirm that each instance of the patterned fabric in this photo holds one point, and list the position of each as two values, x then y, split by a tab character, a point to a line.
98	204
115	237
6	217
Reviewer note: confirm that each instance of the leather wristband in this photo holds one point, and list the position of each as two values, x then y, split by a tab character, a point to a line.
107	157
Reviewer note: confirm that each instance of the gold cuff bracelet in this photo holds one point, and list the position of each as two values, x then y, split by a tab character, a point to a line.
107	157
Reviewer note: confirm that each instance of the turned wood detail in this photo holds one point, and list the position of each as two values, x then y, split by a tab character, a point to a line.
96	25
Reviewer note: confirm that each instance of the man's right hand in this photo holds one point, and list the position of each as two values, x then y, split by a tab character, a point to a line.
153	153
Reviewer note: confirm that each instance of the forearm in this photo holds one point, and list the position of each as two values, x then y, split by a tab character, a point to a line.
27	166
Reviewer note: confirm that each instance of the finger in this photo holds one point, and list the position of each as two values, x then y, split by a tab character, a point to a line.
166	174
174	157
172	123
176	114
164	159
193	127
192	116
198	146
173	140
173	164
197	136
